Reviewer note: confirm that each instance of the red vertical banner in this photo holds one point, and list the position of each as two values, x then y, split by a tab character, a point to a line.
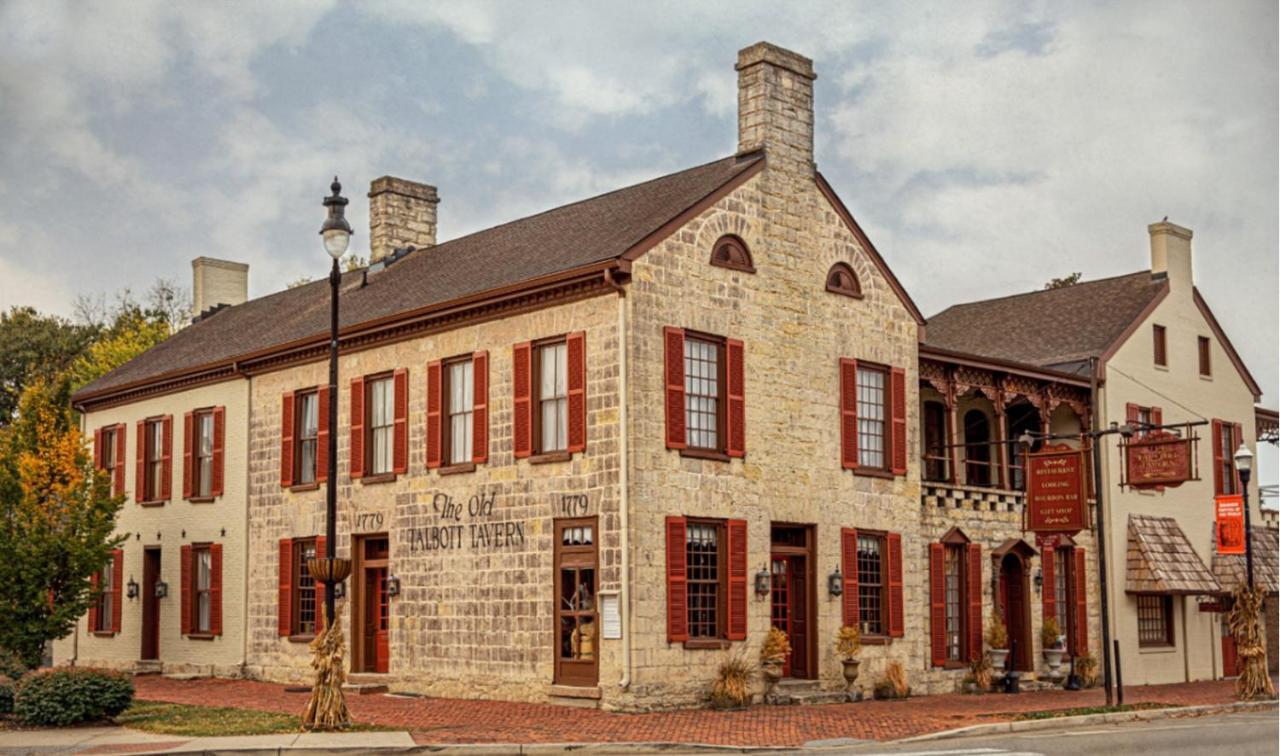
1229	521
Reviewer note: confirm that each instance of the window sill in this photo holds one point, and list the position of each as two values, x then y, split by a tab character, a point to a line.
301	638
373	480
710	454
202	499
1157	649
152	503
201	636
549	457
955	665
458	469
104	634
876	640
304	487
873	472
710	644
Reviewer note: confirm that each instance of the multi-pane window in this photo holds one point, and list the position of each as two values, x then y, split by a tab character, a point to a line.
307	445
202	458
872	411
106	579
1155	620
702	552
460	384
1206	368
553	397
1227	439
702	393
953	597
109	455
154	455
871	583
382	418
202	584
1062	565
304	588
1144	418
1160	347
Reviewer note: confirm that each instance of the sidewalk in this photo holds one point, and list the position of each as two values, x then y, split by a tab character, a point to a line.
118	740
453	721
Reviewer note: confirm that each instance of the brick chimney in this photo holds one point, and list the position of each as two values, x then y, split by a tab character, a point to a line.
401	213
1171	253
217	282
775	105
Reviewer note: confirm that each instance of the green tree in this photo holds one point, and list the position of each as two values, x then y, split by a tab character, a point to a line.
57	515
132	333
35	346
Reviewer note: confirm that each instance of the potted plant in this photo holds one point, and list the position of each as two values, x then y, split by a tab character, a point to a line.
1051	643
980	673
773	652
997	637
893	683
848	644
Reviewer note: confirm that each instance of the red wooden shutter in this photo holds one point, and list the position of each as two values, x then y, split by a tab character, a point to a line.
94	580
849	414
286	439
215	589
1048	596
166	460
97	449
937	603
576	354
219	440
673	351
284	598
1082	603
898	394
736	420
400	432
185	589
1132	413
677	587
140	470
357	428
896	620
737	536
480	408
1216	428
974	593
322	550
188	454
121	432
522	411
117	588
849	567
322	434
435	411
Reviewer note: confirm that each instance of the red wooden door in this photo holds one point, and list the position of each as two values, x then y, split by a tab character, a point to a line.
1230	661
150	605
377	620
780	604
789	611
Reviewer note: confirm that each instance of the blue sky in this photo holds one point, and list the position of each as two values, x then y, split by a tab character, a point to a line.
986	147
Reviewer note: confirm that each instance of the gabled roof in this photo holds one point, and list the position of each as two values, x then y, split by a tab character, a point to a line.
1232	570
596	232
1162	560
1056	328
1227	346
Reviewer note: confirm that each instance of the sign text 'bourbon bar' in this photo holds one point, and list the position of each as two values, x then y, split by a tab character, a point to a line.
1055	490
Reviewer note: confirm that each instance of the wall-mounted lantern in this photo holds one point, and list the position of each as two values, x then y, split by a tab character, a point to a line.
132	588
340	589
162	589
393	586
835	582
762	582
1039	581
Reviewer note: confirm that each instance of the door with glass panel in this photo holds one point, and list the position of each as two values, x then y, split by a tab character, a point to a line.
577	634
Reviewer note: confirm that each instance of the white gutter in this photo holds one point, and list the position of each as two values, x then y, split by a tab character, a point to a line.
624	506
244	544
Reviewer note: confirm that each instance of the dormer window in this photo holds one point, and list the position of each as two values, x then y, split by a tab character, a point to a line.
841	280
731	252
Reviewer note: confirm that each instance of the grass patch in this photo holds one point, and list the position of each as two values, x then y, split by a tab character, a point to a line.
211	721
1086	710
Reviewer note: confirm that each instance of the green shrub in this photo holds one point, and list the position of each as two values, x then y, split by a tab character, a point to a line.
68	695
6	695
11	665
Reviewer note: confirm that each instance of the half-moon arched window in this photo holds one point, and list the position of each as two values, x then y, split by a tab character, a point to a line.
841	280
731	252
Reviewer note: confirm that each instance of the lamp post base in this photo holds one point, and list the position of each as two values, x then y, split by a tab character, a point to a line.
327	708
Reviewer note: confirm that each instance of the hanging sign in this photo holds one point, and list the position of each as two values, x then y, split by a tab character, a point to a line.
1229	516
1055	490
1158	458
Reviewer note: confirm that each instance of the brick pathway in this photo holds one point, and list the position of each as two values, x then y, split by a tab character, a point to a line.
443	720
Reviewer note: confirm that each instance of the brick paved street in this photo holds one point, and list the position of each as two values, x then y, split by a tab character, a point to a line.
433	720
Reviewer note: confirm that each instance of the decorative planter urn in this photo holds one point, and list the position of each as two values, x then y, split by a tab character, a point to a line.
1053	658
850	673
772	673
998	658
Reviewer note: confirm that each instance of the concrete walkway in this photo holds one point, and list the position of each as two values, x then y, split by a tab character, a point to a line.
94	740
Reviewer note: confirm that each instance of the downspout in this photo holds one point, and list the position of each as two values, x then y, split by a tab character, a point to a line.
624	505
244	543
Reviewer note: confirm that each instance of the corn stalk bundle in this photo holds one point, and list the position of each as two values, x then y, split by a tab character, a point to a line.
1246	629
327	709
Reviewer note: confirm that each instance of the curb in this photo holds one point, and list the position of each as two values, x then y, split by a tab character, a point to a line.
1030	725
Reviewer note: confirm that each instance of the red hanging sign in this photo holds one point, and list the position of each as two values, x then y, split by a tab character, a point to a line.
1229	517
1157	458
1055	490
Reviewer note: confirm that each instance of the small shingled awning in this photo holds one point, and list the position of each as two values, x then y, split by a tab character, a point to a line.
1230	570
1161	560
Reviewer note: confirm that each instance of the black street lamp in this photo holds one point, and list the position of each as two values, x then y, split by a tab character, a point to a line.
1244	466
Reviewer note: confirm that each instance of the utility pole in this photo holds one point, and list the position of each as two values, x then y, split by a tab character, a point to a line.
1104	588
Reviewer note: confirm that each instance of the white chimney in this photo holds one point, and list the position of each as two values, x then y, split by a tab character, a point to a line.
217	282
1171	253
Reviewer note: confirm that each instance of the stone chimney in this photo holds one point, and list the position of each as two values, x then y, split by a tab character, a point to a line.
217	282
1171	253
775	105
402	213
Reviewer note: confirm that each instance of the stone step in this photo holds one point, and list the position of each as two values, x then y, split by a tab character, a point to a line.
366	683
792	692
148	667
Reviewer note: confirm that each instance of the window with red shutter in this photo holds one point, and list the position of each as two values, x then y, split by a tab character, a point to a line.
937	604
284	603
849	414
188	453
677	593
1082	604
898	404
121	432
849	568
140	467
973	576
215	589
400	430
286	439
185	588
673	374
897	623
480	408
117	588
736	530
522	410
95	611
435	402
736	416
576	344
166	480
219	440
357	424
322	434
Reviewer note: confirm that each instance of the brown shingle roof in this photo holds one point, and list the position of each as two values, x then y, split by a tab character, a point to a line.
1060	328
1230	569
563	239
1161	559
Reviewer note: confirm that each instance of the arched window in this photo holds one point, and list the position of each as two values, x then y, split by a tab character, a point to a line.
731	252
841	280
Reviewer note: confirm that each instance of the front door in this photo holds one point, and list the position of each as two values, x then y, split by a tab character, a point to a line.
790	598
374	607
150	605
1013	591
1230	662
577	634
